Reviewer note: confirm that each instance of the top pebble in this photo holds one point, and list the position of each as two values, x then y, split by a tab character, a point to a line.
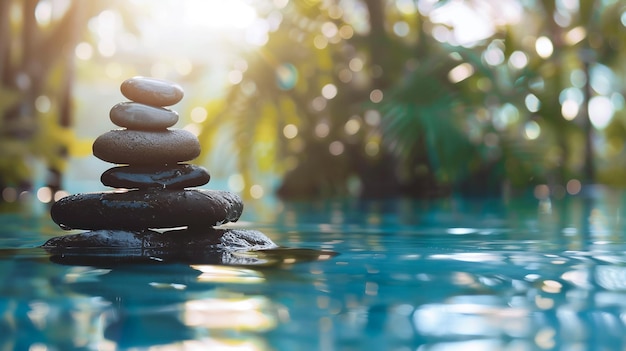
152	91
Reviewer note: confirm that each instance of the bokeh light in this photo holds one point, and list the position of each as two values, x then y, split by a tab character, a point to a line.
532	103
58	195
569	109
346	32
600	111
199	114
356	64
352	126
505	116
460	72
84	51
376	96
256	191
319	103
329	29
286	76
518	59
336	148
471	23
602	79
372	117
544	47
541	191
322	130
575	35
43	104
44	194
573	186
329	91
290	131
372	148
532	130
401	28
494	54
235	76
9	194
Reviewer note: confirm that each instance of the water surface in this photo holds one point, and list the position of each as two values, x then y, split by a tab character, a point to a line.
454	274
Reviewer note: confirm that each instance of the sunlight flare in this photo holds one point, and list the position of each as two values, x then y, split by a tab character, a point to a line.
219	14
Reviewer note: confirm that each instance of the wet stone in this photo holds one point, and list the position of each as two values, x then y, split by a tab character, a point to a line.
181	239
193	246
169	177
102	238
133	115
149	208
152	91
135	147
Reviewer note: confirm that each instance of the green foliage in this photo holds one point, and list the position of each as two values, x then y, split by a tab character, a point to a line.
420	118
432	126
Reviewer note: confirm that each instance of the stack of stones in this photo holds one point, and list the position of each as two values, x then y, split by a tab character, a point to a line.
152	181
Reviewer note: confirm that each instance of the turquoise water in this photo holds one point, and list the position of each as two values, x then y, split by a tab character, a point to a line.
454	274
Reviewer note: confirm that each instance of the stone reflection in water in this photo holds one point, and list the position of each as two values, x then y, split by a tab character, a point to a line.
201	305
186	306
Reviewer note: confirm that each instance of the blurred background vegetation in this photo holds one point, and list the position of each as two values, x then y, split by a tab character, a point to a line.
327	98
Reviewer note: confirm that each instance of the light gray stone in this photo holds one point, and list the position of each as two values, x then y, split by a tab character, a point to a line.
133	115
152	91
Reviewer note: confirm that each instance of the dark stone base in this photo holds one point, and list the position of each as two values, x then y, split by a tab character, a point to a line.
191	246
147	208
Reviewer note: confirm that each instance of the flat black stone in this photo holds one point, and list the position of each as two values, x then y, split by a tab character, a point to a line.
148	208
208	245
173	240
133	115
169	177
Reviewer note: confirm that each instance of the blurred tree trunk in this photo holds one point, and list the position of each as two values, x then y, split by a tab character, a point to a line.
38	62
4	39
378	176
588	165
590	18
561	127
379	42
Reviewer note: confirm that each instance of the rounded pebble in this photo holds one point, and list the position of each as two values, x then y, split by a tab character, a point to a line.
133	115
150	208
169	177
134	147
152	91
